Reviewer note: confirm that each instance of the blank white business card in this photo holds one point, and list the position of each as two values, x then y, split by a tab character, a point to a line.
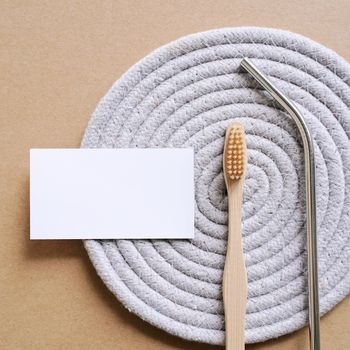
111	193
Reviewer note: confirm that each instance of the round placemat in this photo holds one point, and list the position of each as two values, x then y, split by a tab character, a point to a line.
184	95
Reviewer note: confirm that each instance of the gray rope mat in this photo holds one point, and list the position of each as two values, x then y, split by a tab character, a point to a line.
184	95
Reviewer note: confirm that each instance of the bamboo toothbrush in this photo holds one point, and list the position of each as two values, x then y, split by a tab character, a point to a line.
235	276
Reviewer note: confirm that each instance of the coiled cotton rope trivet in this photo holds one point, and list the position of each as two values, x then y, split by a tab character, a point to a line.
184	95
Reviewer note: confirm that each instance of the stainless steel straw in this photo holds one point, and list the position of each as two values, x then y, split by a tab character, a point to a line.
314	313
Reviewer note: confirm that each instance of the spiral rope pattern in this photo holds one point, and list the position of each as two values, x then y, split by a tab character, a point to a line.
184	95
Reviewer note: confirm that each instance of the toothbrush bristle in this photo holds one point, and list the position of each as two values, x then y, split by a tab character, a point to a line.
234	152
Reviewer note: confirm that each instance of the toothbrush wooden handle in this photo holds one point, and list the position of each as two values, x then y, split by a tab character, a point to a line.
235	276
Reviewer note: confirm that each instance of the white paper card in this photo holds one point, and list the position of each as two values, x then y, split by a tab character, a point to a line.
111	193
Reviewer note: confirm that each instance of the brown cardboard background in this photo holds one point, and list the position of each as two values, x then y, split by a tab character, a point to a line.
57	59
